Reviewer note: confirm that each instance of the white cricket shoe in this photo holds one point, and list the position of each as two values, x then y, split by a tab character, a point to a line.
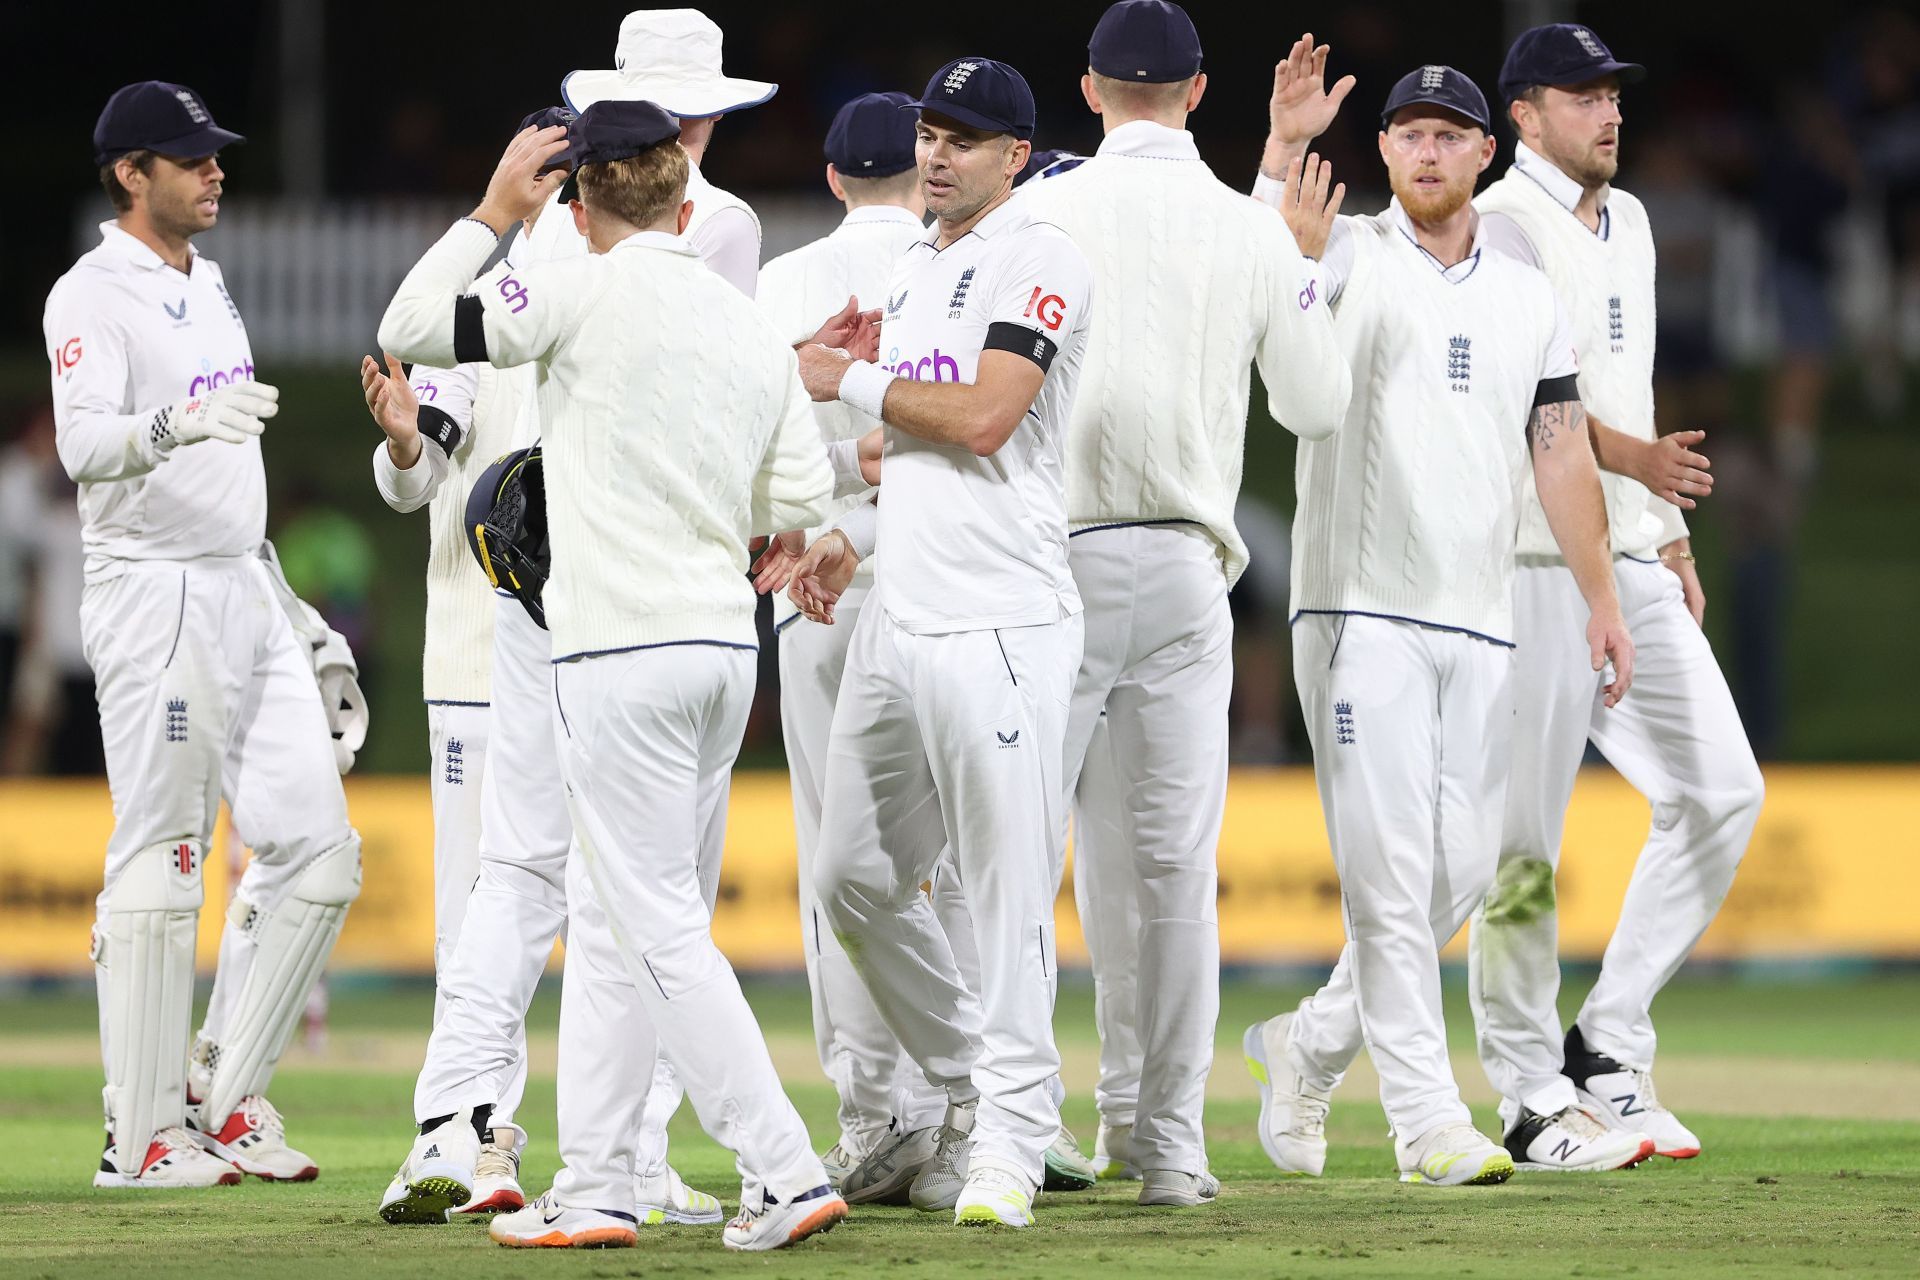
1624	1098
438	1175
1064	1168
1113	1154
173	1159
546	1225
1293	1114
994	1197
663	1197
776	1226
496	1173
254	1140
1181	1190
1453	1155
887	1173
938	1185
1573	1140
838	1162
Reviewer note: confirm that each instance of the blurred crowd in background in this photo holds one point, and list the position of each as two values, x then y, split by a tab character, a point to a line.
1781	172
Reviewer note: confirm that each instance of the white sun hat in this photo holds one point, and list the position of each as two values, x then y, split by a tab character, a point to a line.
670	57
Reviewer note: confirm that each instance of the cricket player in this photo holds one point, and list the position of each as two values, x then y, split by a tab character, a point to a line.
209	668
1678	739
672	57
1463	368
654	671
870	170
952	711
1187	297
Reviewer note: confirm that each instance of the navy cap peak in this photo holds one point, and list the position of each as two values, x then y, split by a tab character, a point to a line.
157	115
982	93
1145	41
871	136
1560	53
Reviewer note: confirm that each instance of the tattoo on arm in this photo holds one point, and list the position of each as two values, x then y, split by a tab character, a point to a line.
1566	417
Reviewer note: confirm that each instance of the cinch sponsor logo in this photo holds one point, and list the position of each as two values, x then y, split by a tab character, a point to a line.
514	292
933	368
211	379
1309	295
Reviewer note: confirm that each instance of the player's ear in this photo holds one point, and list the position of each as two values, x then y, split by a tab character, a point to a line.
1198	91
1488	146
833	183
1091	94
1017	155
686	216
579	211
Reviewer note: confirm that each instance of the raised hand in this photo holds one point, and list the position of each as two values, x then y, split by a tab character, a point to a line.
1301	107
395	409
1307	204
518	188
852	330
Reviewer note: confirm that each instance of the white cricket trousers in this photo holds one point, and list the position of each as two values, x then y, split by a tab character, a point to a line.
517	903
1677	738
649	740
457	743
1412	734
205	692
1157	672
956	739
874	1078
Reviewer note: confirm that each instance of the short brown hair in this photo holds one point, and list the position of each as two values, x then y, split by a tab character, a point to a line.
638	189
121	198
1143	99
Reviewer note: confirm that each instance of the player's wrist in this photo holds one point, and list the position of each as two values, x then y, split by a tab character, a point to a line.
864	386
404	449
492	216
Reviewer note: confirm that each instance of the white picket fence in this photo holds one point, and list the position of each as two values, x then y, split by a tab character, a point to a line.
312	279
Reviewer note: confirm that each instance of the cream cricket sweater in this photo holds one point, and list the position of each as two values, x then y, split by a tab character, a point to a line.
1605	285
1194	282
1408	510
674	426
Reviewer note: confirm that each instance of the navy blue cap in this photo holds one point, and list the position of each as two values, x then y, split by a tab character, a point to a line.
1049	164
1146	41
610	130
983	93
1560	53
871	136
1443	87
547	118
154	115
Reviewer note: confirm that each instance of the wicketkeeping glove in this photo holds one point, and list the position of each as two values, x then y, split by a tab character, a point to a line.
232	413
334	668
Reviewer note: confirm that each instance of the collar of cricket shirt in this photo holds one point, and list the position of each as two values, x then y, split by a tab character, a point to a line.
655	240
1396	216
1149	139
1566	193
134	251
870	214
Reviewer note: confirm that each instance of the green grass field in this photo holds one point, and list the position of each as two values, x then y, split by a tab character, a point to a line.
1807	1097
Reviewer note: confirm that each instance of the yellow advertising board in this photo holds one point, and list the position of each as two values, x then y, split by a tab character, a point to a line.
1834	869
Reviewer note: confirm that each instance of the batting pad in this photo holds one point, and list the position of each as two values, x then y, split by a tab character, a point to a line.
147	961
291	946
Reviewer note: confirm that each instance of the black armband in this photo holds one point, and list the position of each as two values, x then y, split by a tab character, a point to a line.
1557	390
438	426
469	329
1004	335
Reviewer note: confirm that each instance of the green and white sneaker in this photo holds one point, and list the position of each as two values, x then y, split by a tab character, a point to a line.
1113	1154
1293	1113
994	1197
1066	1168
663	1197
838	1164
1453	1155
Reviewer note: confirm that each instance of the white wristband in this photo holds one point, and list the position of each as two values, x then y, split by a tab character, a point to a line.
864	386
844	457
861	526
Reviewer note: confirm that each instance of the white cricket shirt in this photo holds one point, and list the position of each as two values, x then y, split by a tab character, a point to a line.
127	336
800	289
969	543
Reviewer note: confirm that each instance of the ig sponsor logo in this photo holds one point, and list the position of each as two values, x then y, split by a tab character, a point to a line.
1050	308
66	355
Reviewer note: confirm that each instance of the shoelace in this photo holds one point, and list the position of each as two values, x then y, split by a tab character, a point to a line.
1455	1137
1643	1081
946	1154
262	1116
1581	1122
998	1180
1309	1117
837	1156
175	1138
496	1162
